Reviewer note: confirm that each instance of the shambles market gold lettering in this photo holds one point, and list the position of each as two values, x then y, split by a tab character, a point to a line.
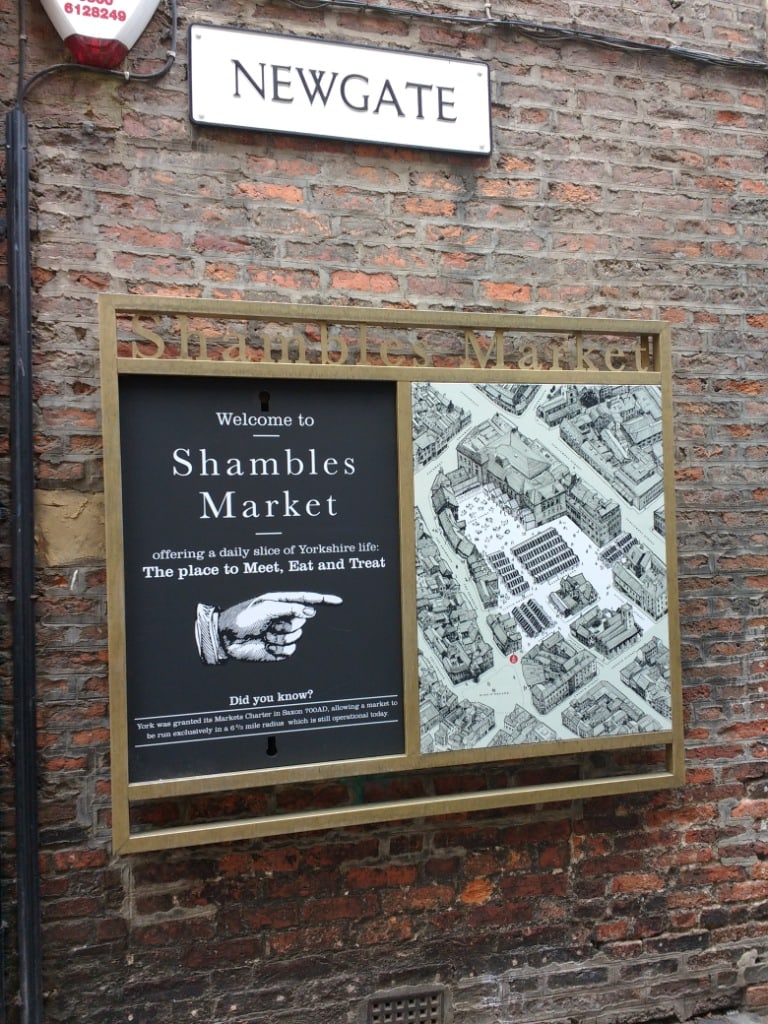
473	349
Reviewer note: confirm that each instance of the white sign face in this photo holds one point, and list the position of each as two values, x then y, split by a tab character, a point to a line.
334	90
123	20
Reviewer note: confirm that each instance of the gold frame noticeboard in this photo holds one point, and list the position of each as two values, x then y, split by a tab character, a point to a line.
348	542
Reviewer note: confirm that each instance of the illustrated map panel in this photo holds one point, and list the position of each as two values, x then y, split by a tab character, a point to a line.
541	581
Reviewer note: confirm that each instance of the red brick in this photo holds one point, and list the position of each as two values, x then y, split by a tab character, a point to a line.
357	281
500	292
756	997
477	892
380	878
347	908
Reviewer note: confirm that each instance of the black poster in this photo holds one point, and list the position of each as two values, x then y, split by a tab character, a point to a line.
262	573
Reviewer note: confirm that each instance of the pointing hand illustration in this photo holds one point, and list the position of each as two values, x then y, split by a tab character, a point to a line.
265	628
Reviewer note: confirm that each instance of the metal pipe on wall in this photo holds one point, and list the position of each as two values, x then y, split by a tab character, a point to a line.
23	554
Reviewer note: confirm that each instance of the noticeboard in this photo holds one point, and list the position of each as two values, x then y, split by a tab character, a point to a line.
349	542
261	547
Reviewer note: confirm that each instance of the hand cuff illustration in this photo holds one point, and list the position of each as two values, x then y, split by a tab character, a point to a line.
209	645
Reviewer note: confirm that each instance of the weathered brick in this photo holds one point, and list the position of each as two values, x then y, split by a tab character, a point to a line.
756	997
621	185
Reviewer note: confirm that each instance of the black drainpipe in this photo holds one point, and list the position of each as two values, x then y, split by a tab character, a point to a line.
23	554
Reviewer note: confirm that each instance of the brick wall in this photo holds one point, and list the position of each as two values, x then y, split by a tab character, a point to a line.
621	183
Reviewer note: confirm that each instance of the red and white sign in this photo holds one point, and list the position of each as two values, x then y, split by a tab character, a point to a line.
100	33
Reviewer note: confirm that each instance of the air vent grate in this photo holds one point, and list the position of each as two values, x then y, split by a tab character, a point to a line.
407	1007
